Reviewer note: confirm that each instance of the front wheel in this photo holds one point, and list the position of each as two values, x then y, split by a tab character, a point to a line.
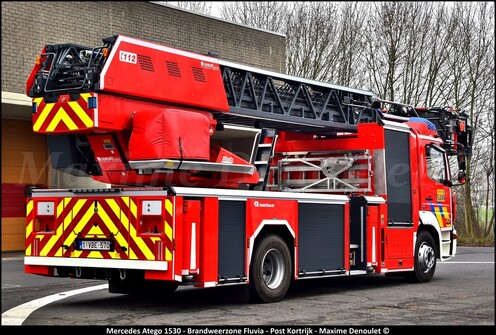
270	270
425	258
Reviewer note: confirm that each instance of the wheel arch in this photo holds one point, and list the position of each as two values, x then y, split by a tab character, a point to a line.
435	236
428	222
281	229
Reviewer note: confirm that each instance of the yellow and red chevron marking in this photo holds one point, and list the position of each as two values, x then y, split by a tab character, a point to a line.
98	218
63	116
442	214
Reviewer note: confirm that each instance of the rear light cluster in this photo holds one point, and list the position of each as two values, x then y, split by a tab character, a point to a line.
44	219
151	219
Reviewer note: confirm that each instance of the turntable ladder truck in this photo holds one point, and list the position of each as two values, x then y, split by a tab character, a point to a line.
217	173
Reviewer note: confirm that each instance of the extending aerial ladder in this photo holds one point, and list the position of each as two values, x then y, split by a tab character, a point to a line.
105	94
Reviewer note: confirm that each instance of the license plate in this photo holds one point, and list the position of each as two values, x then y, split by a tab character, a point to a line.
95	245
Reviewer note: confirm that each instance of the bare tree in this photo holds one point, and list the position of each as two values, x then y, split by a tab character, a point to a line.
440	47
318	35
476	37
411	65
201	7
267	15
489	134
351	44
386	47
312	41
487	200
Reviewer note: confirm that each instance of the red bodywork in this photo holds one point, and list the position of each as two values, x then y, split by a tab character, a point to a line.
155	72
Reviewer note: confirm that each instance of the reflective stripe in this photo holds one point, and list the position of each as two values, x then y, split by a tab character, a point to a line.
58	116
61	115
81	219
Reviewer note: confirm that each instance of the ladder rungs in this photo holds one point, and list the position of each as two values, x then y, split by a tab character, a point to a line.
305	182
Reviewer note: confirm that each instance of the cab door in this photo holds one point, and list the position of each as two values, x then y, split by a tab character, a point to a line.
435	195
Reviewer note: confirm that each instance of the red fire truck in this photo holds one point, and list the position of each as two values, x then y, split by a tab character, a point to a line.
217	173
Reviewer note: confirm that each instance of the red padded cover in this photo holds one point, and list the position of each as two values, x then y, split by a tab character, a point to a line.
159	134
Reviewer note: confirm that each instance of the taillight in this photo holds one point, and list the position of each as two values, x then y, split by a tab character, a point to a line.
44	219
151	220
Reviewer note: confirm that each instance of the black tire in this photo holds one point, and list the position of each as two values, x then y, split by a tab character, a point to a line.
425	258
270	270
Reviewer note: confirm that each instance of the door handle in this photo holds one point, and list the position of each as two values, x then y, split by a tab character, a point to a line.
428	198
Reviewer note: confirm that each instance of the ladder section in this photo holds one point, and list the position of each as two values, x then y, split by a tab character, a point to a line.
330	172
264	99
262	156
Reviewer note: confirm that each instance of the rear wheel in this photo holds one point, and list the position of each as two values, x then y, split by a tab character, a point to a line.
270	270
425	258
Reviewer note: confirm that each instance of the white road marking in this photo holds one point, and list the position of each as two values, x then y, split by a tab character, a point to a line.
16	316
450	262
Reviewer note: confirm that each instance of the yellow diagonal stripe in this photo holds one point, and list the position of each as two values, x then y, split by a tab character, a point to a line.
117	210
133	208
132	255
139	241
88	122
126	200
86	217
51	242
168	206
124	220
77	207
29	228
60	208
29	207
85	96
43	116
439	218
70	217
144	249
168	231
61	116
111	226
84	220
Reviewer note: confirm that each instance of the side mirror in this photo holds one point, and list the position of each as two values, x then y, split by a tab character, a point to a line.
447	183
461	179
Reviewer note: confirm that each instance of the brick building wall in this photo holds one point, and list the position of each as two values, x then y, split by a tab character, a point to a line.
28	26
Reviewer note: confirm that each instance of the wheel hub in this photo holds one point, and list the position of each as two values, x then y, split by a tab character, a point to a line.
426	257
273	268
